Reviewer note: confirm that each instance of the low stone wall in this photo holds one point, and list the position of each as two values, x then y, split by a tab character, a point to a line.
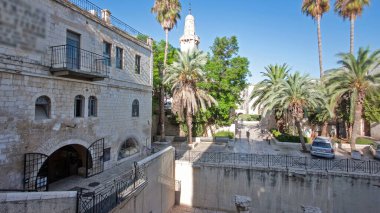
276	190
158	195
41	202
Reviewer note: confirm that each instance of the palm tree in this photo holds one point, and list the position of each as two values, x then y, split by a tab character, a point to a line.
315	9
356	77
167	14
274	75
295	94
351	9
184	76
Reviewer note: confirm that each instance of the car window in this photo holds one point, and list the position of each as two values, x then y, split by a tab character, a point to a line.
321	144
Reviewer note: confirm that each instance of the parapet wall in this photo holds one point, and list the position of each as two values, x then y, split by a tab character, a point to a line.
41	202
158	195
276	190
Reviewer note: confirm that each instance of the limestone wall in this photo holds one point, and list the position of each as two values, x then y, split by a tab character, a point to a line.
25	75
41	202
276	191
375	131
158	195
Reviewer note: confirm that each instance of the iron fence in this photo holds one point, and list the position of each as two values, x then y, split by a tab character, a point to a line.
97	12
281	161
76	59
107	197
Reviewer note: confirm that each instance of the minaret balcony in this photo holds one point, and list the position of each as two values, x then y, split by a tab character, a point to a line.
72	62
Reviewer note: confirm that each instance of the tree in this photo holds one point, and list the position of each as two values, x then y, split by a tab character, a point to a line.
227	75
351	9
184	76
167	14
315	9
295	94
274	74
158	58
372	107
357	78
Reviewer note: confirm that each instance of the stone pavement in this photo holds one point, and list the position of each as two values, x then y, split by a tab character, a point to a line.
186	209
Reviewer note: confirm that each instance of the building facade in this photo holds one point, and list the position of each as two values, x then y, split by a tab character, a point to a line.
75	91
245	107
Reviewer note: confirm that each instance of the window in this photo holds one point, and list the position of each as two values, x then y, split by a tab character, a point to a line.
135	108
42	108
119	58
128	148
92	106
137	64
107	52
79	106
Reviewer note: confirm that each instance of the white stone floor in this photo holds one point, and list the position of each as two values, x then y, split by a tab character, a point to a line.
186	209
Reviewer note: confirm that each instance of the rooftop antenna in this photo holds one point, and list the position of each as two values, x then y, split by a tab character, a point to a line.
189	7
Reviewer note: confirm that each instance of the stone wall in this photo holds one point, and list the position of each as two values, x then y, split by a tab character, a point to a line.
276	190
41	202
24	76
375	131
158	195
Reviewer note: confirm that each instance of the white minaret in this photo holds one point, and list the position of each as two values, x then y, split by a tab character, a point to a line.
189	40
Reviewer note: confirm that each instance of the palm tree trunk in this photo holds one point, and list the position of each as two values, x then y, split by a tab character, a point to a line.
162	97
299	128
189	121
319	46
324	128
357	119
352	29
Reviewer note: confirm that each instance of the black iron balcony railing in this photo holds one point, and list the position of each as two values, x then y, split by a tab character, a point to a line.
73	61
97	12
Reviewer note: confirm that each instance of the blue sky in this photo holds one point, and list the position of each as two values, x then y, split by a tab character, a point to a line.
268	31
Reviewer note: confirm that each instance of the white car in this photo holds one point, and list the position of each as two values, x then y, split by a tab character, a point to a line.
322	147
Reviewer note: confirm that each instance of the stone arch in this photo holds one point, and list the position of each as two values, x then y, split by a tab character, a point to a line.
52	147
128	147
33	102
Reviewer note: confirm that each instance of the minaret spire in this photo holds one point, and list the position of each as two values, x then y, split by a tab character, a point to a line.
189	41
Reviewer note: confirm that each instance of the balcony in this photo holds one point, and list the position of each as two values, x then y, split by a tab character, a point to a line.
72	62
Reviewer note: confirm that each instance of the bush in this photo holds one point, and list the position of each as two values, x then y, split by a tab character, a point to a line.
248	117
288	138
228	134
364	141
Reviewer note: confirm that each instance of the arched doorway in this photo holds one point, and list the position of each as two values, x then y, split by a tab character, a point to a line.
66	161
73	159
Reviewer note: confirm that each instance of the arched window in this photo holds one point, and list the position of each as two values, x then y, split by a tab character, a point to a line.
42	108
135	108
92	107
128	148
79	106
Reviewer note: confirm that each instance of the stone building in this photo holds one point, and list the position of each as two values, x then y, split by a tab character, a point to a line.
75	91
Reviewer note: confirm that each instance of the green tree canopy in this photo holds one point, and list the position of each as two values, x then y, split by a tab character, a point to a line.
227	74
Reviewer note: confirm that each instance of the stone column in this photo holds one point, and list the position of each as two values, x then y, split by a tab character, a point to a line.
106	16
242	203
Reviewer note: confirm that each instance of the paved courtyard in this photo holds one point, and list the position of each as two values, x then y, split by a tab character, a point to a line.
186	209
257	144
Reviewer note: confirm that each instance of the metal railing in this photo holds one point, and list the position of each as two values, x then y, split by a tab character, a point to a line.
107	197
76	59
281	161
97	12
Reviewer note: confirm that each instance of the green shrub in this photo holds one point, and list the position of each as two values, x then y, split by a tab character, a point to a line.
364	141
228	134
247	117
275	133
